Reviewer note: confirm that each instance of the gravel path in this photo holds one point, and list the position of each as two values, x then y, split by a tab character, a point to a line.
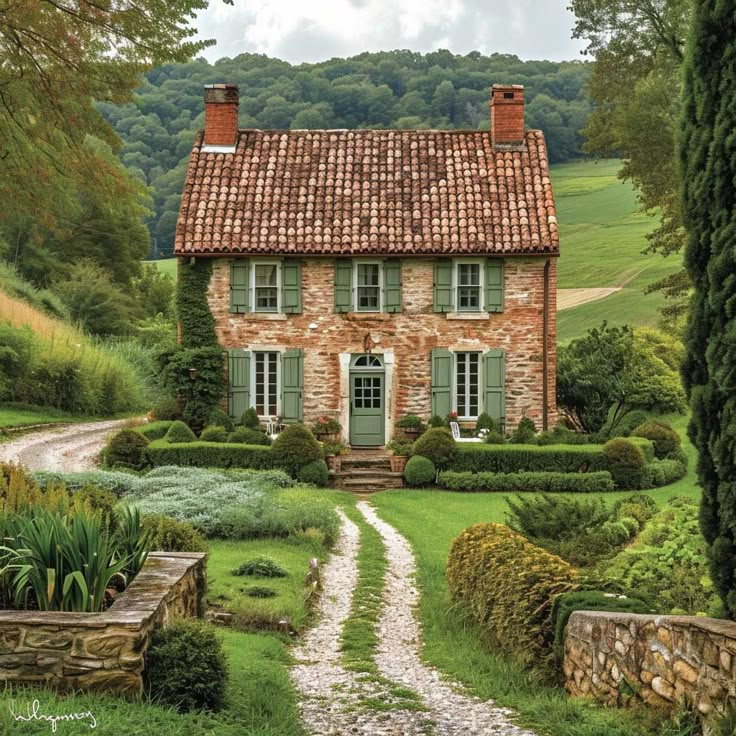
334	700
67	448
454	712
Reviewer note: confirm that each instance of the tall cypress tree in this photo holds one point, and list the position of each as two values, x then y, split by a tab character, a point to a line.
708	170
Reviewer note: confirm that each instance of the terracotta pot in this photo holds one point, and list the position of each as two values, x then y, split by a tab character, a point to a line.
334	462
398	463
411	432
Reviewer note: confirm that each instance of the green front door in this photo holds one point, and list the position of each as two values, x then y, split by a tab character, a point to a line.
366	409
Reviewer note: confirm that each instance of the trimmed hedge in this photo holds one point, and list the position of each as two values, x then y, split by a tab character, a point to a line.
420	471
509	585
210	455
589	600
179	432
597	482
155	430
664	438
662	473
479	458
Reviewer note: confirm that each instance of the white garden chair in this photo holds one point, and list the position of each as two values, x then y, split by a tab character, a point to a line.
455	429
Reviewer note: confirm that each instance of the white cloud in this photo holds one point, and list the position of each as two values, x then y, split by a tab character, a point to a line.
300	30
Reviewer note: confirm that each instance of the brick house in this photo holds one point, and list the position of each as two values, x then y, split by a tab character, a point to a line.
368	274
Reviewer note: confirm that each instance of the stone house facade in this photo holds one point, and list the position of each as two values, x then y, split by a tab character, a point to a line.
369	274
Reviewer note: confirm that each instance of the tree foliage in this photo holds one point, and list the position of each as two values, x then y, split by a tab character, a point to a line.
708	161
613	370
397	89
635	85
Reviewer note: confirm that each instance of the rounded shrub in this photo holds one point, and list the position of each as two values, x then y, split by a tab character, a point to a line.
315	473
294	448
494	437
261	567
630	422
166	409
437	421
127	449
663	437
186	666
507	584
420	471
625	461
250	419
437	445
179	433
214	434
247	436
525	432
171	535
485	421
218	418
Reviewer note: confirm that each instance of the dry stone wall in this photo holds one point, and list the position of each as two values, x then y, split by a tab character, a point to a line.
103	651
661	660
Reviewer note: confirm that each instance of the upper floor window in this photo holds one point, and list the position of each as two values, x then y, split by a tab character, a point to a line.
368	287
266	281
468	286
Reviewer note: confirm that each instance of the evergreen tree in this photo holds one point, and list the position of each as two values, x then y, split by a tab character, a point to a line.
708	170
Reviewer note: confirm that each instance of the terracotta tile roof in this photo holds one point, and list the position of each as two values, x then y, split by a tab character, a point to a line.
355	192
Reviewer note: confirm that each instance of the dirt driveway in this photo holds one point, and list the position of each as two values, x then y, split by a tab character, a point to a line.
67	448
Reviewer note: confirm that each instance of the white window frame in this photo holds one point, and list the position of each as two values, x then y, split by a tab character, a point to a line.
356	306
279	387
481	285
265	262
455	353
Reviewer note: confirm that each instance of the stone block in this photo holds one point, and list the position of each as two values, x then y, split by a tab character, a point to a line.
44	638
685	671
663	688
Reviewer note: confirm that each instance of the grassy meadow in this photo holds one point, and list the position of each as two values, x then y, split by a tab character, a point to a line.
603	237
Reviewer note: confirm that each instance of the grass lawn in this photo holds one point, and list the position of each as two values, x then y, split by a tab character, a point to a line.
230	591
431	520
602	239
261	702
166	266
21	415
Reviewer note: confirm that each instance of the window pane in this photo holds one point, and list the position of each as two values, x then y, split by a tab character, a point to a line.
266	274
266	287
266	388
467	378
368	274
369	290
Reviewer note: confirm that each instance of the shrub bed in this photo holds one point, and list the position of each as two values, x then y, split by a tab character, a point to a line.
478	458
210	455
597	482
509	585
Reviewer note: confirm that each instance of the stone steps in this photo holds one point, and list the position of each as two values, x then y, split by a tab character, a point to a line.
364	471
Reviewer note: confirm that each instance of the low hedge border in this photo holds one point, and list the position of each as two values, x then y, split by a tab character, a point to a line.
154	430
597	482
480	458
210	455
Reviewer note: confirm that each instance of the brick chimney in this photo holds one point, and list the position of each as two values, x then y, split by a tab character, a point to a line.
507	114
220	114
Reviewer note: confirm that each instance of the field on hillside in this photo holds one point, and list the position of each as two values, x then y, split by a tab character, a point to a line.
602	242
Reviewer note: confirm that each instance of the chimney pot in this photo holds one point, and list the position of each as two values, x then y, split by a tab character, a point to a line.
507	114
220	114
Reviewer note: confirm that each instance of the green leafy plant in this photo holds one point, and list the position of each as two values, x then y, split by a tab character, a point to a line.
250	419
166	409
134	540
171	535
326	425
665	440
261	567
334	448
248	436
186	666
214	434
410	421
486	421
315	473
525	432
127	449
260	591
420	471
179	433
438	446
218	418
400	448
437	421
294	448
625	462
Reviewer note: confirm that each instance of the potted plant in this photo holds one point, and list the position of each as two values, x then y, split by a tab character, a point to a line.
333	452
327	429
399	454
411	425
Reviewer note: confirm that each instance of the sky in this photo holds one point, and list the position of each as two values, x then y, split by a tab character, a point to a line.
315	30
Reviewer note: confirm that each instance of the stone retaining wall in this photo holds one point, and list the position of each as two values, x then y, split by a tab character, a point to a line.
662	660
103	651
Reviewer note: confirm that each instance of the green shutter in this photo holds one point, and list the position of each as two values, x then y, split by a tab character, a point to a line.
494	285
494	384
443	363
443	286
238	382
291	286
240	286
392	286
292	384
343	285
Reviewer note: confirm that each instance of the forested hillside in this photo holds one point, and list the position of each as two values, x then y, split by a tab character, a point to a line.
399	89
